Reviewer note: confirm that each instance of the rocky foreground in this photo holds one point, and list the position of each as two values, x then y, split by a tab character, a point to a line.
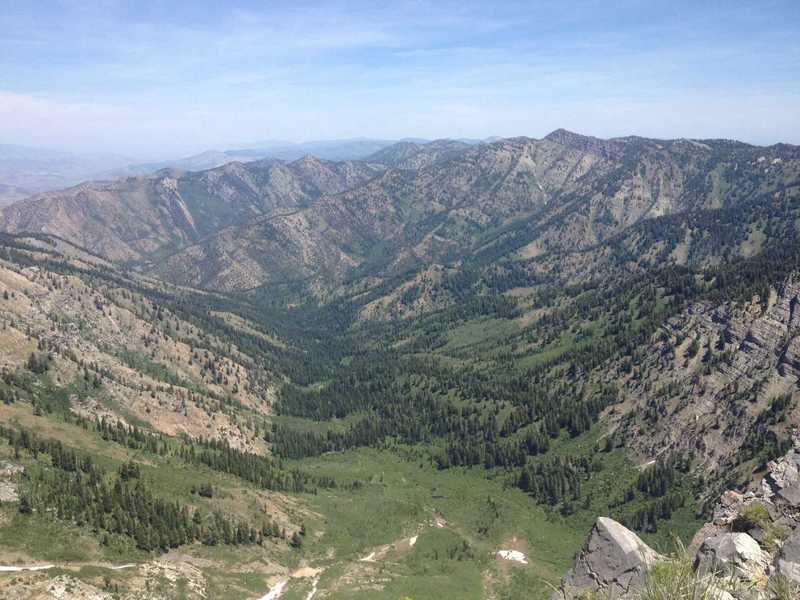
750	550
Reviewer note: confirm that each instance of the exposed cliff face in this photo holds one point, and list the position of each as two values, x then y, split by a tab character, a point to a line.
590	208
712	380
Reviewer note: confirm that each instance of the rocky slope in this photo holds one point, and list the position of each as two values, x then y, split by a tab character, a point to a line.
112	350
135	218
718	382
750	550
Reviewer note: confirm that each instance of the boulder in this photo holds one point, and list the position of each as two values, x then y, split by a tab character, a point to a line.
733	554
613	561
789	558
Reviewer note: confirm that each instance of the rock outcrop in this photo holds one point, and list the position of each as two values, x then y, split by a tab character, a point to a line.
8	486
711	382
782	484
750	548
789	558
754	537
613	560
733	555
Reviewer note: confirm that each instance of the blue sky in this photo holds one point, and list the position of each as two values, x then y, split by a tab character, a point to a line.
163	78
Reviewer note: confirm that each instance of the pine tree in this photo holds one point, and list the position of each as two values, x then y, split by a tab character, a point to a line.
25	505
297	540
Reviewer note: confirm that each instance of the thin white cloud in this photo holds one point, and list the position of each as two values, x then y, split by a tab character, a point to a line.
95	76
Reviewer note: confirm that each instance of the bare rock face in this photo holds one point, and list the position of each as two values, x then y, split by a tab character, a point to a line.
733	554
752	537
613	560
711	357
762	552
8	489
782	483
789	558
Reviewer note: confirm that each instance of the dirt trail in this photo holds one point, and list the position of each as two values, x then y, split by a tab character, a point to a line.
16	569
45	567
276	590
400	546
313	591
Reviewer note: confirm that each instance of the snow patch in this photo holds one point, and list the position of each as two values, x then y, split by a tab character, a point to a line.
514	555
368	558
412	541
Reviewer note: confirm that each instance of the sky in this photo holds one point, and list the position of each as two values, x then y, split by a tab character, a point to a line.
167	78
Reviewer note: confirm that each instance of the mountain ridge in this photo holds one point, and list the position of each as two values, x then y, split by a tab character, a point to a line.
563	175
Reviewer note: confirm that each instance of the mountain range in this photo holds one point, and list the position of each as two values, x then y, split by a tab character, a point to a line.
25	171
410	206
432	365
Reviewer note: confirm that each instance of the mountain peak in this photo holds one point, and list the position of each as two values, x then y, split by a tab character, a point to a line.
308	160
568	138
583	143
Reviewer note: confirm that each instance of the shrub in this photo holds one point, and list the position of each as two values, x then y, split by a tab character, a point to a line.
782	588
754	515
676	579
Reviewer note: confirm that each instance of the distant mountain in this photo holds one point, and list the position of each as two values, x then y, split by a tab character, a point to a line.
349	149
203	161
140	217
11	193
413	155
355	149
27	170
352	149
15	152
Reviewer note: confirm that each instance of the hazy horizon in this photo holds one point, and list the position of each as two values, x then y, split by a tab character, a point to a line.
265	145
156	80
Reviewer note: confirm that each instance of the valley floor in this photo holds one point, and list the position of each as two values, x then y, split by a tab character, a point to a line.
407	530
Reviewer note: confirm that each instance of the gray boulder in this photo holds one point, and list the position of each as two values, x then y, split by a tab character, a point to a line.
613	561
733	554
789	558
